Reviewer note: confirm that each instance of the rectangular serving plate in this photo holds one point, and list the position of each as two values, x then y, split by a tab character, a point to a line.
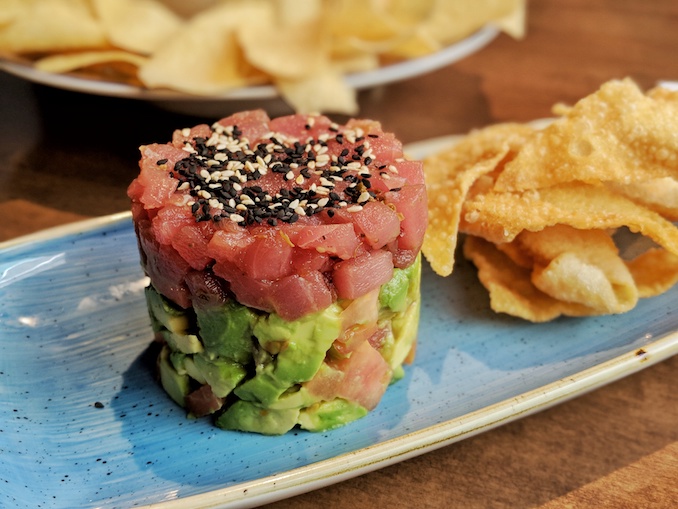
84	423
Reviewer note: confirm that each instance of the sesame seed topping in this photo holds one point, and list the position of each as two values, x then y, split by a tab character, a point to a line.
331	170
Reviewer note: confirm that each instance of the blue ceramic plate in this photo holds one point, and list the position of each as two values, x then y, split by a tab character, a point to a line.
83	423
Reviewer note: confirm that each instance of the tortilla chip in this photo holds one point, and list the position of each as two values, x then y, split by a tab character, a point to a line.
141	26
35	26
207	59
68	62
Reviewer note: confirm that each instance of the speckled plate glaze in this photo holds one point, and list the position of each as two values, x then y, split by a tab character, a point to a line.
83	424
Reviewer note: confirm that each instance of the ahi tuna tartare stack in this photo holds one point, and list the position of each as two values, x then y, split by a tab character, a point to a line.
284	261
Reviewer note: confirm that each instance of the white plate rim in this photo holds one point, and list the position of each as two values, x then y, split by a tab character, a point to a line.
360	80
340	468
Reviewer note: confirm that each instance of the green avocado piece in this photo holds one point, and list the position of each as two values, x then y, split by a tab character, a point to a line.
405	326
226	331
329	415
163	311
175	384
395	293
298	349
184	365
294	397
222	375
248	416
185	343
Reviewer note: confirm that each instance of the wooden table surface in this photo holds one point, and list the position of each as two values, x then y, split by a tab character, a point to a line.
66	156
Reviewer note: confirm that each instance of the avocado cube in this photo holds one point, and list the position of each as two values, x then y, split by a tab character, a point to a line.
248	416
226	331
176	385
222	375
329	415
163	311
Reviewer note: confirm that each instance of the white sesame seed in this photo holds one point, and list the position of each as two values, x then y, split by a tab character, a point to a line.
364	196
300	179
183	186
240	206
323	201
326	183
354	208
237	186
289	175
204	194
294	204
300	211
236	218
214	186
186	131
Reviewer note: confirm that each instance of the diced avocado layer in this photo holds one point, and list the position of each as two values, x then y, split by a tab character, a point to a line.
268	370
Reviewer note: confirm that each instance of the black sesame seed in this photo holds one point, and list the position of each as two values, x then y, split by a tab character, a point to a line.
161	161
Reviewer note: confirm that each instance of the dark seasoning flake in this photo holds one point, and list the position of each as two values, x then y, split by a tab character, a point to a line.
220	173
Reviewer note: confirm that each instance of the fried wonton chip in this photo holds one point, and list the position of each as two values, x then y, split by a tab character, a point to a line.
500	217
654	271
580	266
449	177
540	226
618	134
660	195
510	286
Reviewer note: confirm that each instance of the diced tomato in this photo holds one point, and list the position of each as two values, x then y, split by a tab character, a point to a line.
377	339
355	277
366	376
363	310
297	295
378	223
268	257
338	240
352	337
361	377
202	401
